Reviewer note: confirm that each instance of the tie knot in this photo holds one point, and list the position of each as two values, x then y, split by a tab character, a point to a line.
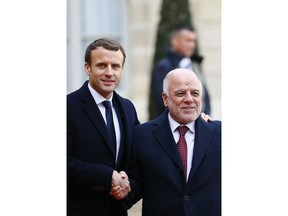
182	130
107	104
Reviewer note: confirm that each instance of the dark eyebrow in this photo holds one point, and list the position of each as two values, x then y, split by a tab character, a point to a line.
100	63
116	64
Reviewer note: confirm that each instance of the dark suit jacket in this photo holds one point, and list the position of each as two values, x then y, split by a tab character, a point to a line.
156	171
91	159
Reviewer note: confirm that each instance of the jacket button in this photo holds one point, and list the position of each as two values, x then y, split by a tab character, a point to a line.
186	198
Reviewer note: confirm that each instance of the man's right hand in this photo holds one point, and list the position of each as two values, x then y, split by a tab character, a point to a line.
120	186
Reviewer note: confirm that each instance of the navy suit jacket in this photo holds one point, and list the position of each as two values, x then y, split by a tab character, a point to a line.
90	157
156	171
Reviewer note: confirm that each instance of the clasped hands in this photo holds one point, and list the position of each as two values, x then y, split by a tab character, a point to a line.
120	186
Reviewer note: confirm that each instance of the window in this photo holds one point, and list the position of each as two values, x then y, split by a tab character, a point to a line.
88	20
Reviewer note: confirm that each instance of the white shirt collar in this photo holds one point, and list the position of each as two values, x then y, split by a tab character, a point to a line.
174	124
186	63
97	97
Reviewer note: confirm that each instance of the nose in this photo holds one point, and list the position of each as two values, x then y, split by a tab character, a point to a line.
189	97
109	71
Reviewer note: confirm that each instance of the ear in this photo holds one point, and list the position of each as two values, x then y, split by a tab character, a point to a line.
122	71
165	99
87	68
173	41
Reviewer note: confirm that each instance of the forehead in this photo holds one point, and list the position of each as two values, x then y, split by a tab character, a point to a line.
100	54
184	82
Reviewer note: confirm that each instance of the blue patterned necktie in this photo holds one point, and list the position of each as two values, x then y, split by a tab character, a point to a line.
110	123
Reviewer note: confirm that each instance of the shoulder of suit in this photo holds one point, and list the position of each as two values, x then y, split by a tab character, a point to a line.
120	98
215	124
122	101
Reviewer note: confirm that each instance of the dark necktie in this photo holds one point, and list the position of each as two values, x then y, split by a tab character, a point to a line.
182	147
110	123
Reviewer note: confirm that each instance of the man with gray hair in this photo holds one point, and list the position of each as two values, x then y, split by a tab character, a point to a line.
176	159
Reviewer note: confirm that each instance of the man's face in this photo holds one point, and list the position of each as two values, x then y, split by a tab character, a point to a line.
105	70
184	98
184	43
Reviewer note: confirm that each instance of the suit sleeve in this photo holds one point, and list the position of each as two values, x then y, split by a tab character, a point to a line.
84	175
135	175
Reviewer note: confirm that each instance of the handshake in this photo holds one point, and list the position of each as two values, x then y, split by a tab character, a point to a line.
120	186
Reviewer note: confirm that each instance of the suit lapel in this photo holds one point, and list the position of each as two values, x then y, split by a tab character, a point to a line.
92	110
203	135
119	111
164	137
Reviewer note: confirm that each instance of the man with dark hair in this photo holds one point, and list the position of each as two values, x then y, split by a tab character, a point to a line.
98	134
181	54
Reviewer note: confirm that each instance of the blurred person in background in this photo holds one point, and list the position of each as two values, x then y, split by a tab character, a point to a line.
181	54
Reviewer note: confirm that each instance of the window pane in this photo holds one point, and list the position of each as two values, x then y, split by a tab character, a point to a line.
101	17
88	20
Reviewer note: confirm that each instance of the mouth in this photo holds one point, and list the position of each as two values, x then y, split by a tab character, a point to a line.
108	82
188	108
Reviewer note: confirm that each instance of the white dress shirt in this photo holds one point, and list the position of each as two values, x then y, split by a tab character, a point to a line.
186	63
189	136
99	99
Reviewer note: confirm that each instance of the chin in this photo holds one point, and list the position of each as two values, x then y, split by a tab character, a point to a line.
186	120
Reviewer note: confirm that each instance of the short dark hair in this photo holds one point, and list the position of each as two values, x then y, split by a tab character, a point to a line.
107	43
177	29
